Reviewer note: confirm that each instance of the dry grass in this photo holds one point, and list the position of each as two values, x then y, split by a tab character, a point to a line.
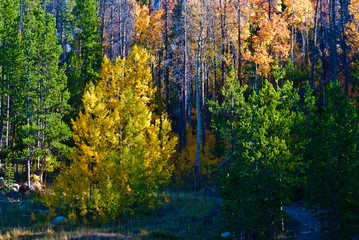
186	215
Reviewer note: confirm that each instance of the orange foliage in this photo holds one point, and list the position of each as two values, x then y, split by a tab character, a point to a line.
272	34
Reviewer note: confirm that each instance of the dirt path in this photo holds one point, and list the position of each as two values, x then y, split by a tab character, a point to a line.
308	225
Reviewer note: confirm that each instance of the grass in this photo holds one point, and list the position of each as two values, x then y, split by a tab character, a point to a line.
186	215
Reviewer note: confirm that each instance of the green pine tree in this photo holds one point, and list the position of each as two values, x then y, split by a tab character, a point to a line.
86	59
332	164
11	85
46	89
256	179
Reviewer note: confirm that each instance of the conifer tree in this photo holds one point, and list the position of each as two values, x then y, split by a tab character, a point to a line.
332	164
121	149
46	90
85	62
12	88
258	134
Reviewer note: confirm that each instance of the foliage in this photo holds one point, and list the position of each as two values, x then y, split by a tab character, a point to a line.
121	152
46	93
184	161
87	53
332	163
255	182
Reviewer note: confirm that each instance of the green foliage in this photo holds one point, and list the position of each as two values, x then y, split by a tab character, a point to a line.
8	169
87	52
46	90
332	163
11	84
255	182
227	116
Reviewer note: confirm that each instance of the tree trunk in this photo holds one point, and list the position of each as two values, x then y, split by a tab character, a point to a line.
198	151
223	10
314	46
334	43
239	73
28	128
167	77
344	47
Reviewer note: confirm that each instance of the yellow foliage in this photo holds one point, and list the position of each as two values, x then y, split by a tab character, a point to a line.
353	27
121	150
184	162
33	218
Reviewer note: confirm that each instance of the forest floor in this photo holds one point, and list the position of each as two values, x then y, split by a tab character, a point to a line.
303	222
184	215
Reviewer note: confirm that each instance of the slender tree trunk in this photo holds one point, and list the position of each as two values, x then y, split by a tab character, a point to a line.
103	24
223	9
151	5
239	73
167	77
28	128
112	32
198	151
203	109
2	105
334	43
344	47
292	44
304	47
314	46
7	116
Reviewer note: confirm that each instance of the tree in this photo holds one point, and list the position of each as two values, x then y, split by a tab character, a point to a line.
121	149
47	95
12	86
87	51
332	161
256	179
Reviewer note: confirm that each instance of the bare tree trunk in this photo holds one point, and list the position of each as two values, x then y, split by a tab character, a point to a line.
151	5
7	116
203	108
28	128
112	33
311	83
198	151
167	77
292	44
344	47
2	105
239	73
334	43
223	10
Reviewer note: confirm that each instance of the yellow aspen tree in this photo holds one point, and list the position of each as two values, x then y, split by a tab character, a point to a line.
122	150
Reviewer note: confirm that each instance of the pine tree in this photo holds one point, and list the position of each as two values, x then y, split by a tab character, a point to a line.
87	51
121	149
256	178
332	160
12	87
46	90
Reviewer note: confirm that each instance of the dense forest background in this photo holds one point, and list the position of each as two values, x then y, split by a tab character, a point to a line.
109	101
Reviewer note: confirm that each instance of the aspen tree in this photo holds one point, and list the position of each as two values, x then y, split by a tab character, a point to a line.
122	150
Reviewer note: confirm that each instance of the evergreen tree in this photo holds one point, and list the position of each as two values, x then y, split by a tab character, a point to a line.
332	164
46	90
12	87
121	149
256	179
87	51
